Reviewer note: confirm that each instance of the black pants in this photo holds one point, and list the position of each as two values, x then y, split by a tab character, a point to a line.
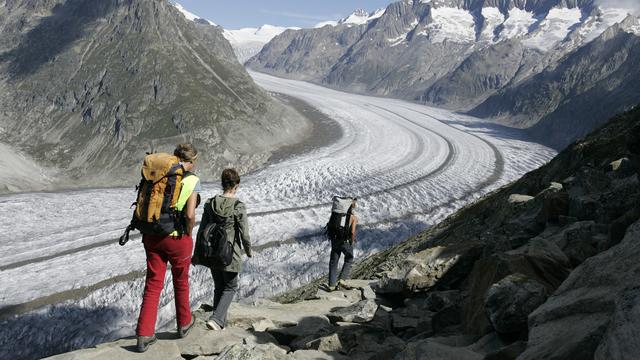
226	285
337	249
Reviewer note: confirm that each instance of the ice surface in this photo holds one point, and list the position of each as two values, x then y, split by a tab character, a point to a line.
518	24
410	165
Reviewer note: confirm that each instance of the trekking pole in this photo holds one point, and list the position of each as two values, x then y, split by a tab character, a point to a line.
125	237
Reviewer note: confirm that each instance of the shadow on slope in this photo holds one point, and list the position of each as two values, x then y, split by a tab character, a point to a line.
47	332
54	34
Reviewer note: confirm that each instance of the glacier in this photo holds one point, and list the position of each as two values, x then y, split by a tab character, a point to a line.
68	284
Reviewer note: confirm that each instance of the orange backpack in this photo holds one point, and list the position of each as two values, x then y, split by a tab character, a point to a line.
158	193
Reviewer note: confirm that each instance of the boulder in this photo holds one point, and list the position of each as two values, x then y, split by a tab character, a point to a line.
314	326
432	350
421	271
621	168
510	301
540	260
202	341
519	199
595	313
254	352
360	312
318	355
349	295
509	352
578	241
263	325
326	343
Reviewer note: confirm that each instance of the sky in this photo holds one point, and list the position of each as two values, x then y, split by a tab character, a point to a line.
236	14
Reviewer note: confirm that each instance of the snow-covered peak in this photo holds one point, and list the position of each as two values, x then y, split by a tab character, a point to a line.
358	17
263	34
191	16
631	24
247	42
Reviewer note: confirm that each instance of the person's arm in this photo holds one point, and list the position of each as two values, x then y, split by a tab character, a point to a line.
243	226
190	212
354	223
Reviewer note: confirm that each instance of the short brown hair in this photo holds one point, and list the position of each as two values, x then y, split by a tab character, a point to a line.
186	152
230	178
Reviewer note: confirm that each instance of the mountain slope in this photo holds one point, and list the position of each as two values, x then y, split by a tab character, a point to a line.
460	55
89	86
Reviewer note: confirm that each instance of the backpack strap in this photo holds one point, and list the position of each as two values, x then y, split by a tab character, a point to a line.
236	224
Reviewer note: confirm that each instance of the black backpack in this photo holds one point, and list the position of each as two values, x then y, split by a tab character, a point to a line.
337	229
213	247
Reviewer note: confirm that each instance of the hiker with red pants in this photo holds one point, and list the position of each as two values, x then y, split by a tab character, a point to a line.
174	248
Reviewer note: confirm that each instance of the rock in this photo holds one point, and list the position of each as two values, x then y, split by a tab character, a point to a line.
361	312
371	343
577	241
422	270
510	352
450	315
455	340
311	326
326	343
510	301
123	349
367	293
594	314
488	344
263	325
540	260
622	168
243	315
438	300
432	350
254	352
352	295
555	204
202	341
318	355
519	199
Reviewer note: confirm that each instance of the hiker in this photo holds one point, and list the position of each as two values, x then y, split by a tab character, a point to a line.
341	231
230	215
174	248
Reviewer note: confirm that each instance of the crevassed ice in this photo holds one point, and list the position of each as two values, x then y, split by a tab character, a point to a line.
554	28
517	24
452	24
492	19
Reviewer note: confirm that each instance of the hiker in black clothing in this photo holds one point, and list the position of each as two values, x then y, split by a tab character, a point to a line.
341	230
231	214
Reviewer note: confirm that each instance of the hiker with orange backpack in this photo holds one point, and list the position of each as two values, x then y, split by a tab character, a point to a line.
165	215
222	238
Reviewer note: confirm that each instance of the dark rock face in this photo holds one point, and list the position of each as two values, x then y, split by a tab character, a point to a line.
89	86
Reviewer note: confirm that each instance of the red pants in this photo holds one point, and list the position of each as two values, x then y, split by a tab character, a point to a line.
160	250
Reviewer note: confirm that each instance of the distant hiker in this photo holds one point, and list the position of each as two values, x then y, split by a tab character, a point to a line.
341	231
165	214
223	234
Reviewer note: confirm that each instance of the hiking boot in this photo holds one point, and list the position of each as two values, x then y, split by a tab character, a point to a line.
332	288
212	325
144	342
342	283
184	331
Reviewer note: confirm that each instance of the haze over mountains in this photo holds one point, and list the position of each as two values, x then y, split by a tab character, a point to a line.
88	86
533	63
